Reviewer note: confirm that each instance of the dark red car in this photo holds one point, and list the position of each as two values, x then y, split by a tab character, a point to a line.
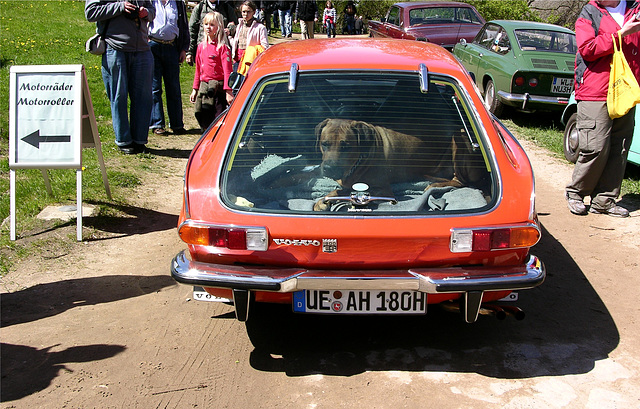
441	23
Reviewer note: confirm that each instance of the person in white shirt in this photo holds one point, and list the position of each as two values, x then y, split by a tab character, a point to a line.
169	42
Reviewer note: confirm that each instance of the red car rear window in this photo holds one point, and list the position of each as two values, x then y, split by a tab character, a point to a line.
370	143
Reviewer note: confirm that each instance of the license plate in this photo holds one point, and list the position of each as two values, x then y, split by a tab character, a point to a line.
199	294
359	302
562	85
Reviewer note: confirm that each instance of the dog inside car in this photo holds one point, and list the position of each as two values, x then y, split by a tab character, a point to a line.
359	152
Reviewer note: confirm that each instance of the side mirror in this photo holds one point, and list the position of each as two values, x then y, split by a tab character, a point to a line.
463	42
235	81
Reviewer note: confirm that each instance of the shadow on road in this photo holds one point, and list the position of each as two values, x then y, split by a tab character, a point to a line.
26	370
567	329
139	220
170	153
47	300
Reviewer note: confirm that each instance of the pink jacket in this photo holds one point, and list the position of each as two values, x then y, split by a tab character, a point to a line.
257	36
595	50
212	63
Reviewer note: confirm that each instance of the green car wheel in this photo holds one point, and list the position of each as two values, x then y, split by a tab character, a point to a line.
571	143
491	100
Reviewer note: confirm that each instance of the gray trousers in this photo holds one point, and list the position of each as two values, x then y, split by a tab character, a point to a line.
604	145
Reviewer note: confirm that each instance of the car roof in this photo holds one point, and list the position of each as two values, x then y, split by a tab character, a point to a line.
415	4
355	54
520	25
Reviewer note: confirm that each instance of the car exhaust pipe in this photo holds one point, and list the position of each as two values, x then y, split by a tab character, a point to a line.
513	311
501	312
495	310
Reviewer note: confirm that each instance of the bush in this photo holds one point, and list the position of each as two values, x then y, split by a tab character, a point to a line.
505	10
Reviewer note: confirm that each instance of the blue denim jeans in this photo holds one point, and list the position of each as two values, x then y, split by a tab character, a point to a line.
128	75
351	24
285	22
166	66
331	29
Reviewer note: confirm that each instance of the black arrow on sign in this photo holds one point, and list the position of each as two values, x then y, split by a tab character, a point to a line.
34	139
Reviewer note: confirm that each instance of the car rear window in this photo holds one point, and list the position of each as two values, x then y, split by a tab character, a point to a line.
442	15
546	40
371	143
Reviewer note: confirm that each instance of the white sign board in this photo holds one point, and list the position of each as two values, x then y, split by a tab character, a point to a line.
51	119
46	116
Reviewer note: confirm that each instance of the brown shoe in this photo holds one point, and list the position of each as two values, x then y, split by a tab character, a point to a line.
159	131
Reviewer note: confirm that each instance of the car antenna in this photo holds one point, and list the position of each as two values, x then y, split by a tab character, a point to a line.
424	78
293	77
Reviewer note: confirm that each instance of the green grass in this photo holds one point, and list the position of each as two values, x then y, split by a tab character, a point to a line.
24	40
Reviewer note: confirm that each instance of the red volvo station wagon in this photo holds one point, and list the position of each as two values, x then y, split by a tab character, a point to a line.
358	176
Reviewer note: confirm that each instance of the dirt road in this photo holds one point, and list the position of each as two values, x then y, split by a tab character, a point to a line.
105	326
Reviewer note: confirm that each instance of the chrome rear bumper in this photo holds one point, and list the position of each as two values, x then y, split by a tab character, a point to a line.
472	282
526	99
428	280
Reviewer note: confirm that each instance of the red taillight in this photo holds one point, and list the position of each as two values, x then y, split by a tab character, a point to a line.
484	240
481	240
464	240
233	238
228	238
237	239
533	82
519	81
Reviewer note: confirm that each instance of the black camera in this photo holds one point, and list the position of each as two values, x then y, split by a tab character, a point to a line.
133	14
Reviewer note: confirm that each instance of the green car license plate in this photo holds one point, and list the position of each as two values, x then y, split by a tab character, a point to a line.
562	85
360	302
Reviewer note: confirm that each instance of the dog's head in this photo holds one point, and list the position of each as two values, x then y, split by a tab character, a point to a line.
345	145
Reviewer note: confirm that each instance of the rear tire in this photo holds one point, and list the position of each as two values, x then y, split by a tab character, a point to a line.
492	101
571	145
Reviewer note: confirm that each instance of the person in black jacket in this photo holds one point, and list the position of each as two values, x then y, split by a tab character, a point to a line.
267	8
350	17
307	12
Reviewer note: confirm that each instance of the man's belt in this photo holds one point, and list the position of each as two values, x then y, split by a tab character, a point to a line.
157	40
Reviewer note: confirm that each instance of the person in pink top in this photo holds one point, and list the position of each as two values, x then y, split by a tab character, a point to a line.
211	93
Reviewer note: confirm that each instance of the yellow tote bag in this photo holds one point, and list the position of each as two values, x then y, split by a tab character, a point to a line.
624	91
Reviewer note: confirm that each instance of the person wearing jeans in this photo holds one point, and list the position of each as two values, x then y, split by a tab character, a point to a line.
128	75
284	15
169	41
329	19
127	67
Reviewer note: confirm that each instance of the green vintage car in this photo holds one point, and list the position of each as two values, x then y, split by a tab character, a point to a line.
521	64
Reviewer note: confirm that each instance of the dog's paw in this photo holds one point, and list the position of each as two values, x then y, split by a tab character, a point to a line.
444	183
320	206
